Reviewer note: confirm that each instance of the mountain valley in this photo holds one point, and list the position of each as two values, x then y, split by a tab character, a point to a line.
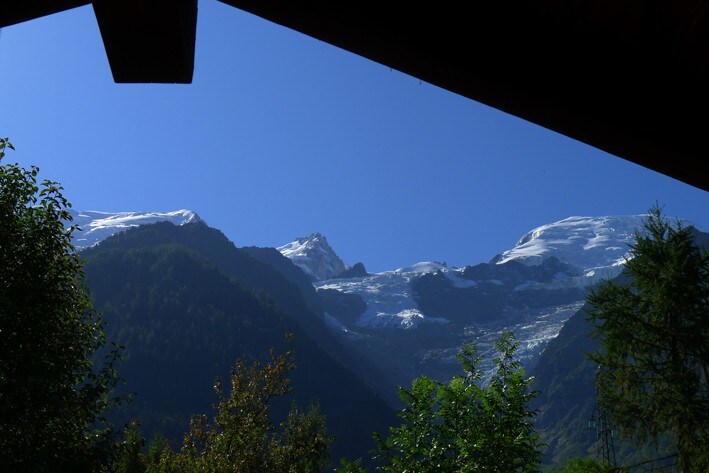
187	303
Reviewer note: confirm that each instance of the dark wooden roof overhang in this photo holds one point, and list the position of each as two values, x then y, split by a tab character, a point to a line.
629	77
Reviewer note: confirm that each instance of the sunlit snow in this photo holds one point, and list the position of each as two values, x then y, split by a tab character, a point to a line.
96	226
314	255
423	267
594	247
389	299
598	246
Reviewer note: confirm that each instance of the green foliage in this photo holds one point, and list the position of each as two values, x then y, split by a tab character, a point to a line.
241	437
348	466
655	337
565	378
51	394
156	448
586	465
130	457
465	426
183	321
304	443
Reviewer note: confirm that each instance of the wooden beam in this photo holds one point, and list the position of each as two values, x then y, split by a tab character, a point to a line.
626	77
17	11
149	40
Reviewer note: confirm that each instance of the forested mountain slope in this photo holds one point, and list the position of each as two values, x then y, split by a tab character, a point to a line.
565	379
186	304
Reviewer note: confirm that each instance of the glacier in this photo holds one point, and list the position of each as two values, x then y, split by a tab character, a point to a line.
411	323
94	226
596	246
593	244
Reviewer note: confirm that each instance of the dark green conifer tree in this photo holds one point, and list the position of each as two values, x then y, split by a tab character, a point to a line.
654	333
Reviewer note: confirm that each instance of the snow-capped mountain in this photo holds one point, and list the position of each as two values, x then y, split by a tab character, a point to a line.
592	244
413	320
96	226
582	250
314	255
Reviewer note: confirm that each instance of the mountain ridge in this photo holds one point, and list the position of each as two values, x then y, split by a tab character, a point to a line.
508	292
186	303
417	317
397	325
95	226
314	255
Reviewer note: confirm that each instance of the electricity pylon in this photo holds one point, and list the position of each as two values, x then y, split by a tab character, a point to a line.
605	446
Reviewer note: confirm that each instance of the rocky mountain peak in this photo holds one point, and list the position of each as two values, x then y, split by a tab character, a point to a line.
314	255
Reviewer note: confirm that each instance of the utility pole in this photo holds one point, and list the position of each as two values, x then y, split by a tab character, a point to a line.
605	446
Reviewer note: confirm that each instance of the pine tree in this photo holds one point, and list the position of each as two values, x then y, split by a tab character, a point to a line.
654	333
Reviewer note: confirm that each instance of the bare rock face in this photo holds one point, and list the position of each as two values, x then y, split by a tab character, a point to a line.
356	271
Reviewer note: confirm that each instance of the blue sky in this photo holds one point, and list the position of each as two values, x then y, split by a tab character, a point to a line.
281	135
